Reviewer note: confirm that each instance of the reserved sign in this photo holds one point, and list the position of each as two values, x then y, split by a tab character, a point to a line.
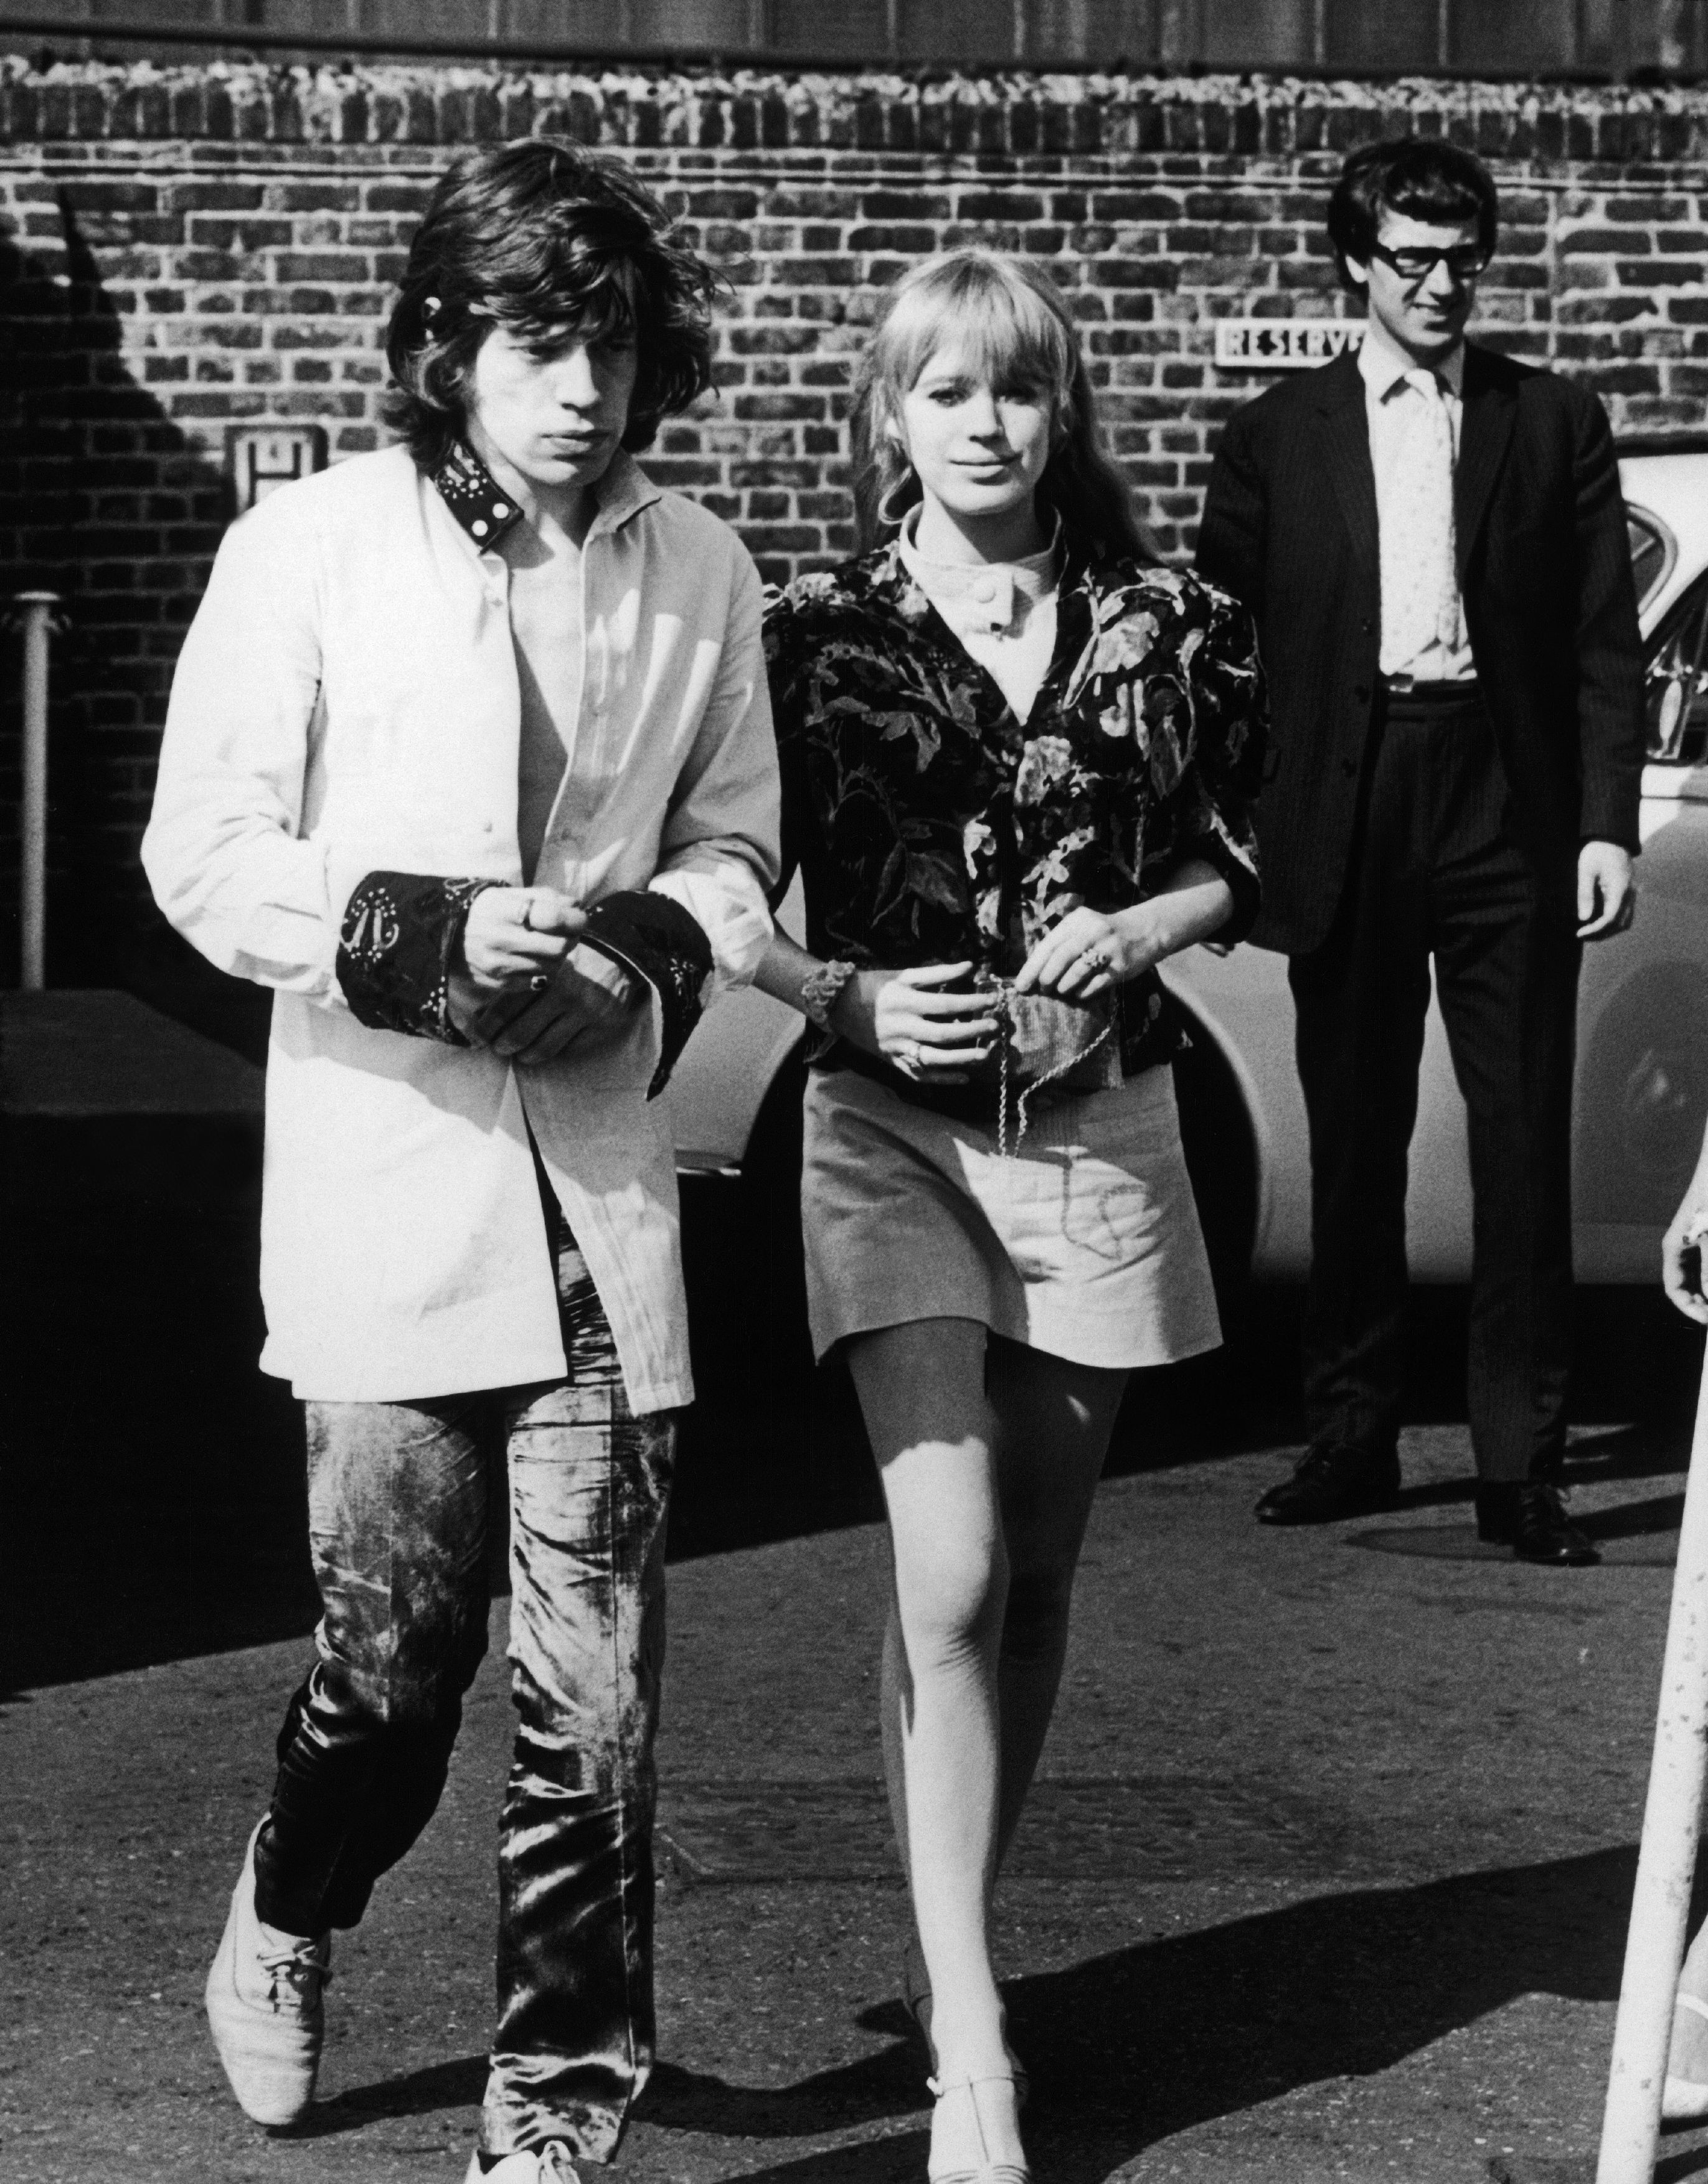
1283	344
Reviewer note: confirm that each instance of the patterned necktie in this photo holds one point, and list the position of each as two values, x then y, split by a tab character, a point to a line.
1420	584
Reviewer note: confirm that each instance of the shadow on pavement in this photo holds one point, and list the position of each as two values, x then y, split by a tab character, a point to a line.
1633	1532
1143	2043
455	2085
1631	1520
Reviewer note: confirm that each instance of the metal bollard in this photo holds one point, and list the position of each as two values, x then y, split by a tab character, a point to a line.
37	618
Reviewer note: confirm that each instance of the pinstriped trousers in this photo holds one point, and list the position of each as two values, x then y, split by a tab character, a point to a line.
1435	872
398	1504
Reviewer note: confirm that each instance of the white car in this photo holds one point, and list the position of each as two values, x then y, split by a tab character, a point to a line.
1642	1088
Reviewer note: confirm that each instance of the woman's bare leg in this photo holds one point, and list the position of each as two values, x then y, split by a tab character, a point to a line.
990	1463
922	1393
1053	1423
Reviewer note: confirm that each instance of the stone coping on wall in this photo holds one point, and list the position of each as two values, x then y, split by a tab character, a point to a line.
1002	115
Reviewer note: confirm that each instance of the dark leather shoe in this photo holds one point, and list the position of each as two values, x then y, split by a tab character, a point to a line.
1330	1483
1530	1519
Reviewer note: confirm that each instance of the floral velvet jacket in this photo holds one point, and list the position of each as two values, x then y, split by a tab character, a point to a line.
930	825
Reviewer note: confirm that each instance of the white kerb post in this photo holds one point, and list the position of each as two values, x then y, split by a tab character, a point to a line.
35	615
1666	1863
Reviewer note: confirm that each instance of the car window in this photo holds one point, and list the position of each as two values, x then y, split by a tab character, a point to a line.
1678	681
1652	552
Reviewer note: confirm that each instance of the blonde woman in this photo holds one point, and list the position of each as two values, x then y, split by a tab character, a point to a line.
1011	747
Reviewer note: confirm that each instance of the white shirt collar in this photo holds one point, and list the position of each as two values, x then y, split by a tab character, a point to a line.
1383	364
983	596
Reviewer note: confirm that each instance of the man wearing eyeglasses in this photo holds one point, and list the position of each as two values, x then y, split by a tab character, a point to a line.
1431	538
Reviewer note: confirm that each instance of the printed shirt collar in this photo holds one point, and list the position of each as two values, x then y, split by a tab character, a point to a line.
487	513
1383	364
472	494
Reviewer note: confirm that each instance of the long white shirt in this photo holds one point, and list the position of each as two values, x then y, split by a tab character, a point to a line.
1388	399
347	700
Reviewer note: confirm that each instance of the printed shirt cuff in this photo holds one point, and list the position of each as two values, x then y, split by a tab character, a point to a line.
402	933
656	938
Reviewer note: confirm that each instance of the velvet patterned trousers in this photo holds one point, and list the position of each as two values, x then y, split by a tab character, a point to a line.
398	1504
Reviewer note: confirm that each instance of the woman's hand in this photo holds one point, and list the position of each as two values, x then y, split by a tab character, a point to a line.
903	1016
1092	949
1089	951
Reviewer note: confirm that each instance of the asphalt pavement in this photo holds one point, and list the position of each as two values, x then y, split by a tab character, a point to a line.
1325	1876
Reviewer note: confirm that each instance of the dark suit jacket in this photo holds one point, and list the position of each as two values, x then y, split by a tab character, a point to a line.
1290	528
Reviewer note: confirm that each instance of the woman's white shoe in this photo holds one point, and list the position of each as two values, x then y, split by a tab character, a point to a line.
983	2167
916	2000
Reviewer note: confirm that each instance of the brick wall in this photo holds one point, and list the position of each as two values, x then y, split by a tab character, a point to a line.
189	248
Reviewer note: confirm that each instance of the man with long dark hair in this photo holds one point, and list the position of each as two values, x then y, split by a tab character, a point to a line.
469	758
1431	539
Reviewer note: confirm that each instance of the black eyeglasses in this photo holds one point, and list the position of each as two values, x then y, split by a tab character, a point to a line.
1464	262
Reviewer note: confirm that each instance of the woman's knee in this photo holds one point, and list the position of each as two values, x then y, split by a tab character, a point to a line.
951	1595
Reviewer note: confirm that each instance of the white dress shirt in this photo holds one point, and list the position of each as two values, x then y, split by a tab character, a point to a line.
1391	404
347	701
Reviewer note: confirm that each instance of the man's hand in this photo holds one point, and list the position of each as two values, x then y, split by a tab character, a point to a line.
513	940
1680	1254
514	932
587	999
1681	1247
1606	890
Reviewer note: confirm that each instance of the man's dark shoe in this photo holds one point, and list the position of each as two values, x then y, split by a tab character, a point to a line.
1529	1518
1330	1483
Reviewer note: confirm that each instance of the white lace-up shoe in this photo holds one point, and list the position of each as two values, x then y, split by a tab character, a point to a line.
543	2164
263	2007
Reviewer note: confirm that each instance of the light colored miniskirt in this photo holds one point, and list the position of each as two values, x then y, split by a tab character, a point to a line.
1085	1242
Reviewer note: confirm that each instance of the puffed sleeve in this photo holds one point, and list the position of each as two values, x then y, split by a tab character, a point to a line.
1206	781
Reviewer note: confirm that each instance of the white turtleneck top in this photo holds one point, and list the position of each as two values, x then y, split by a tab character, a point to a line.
1003	612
